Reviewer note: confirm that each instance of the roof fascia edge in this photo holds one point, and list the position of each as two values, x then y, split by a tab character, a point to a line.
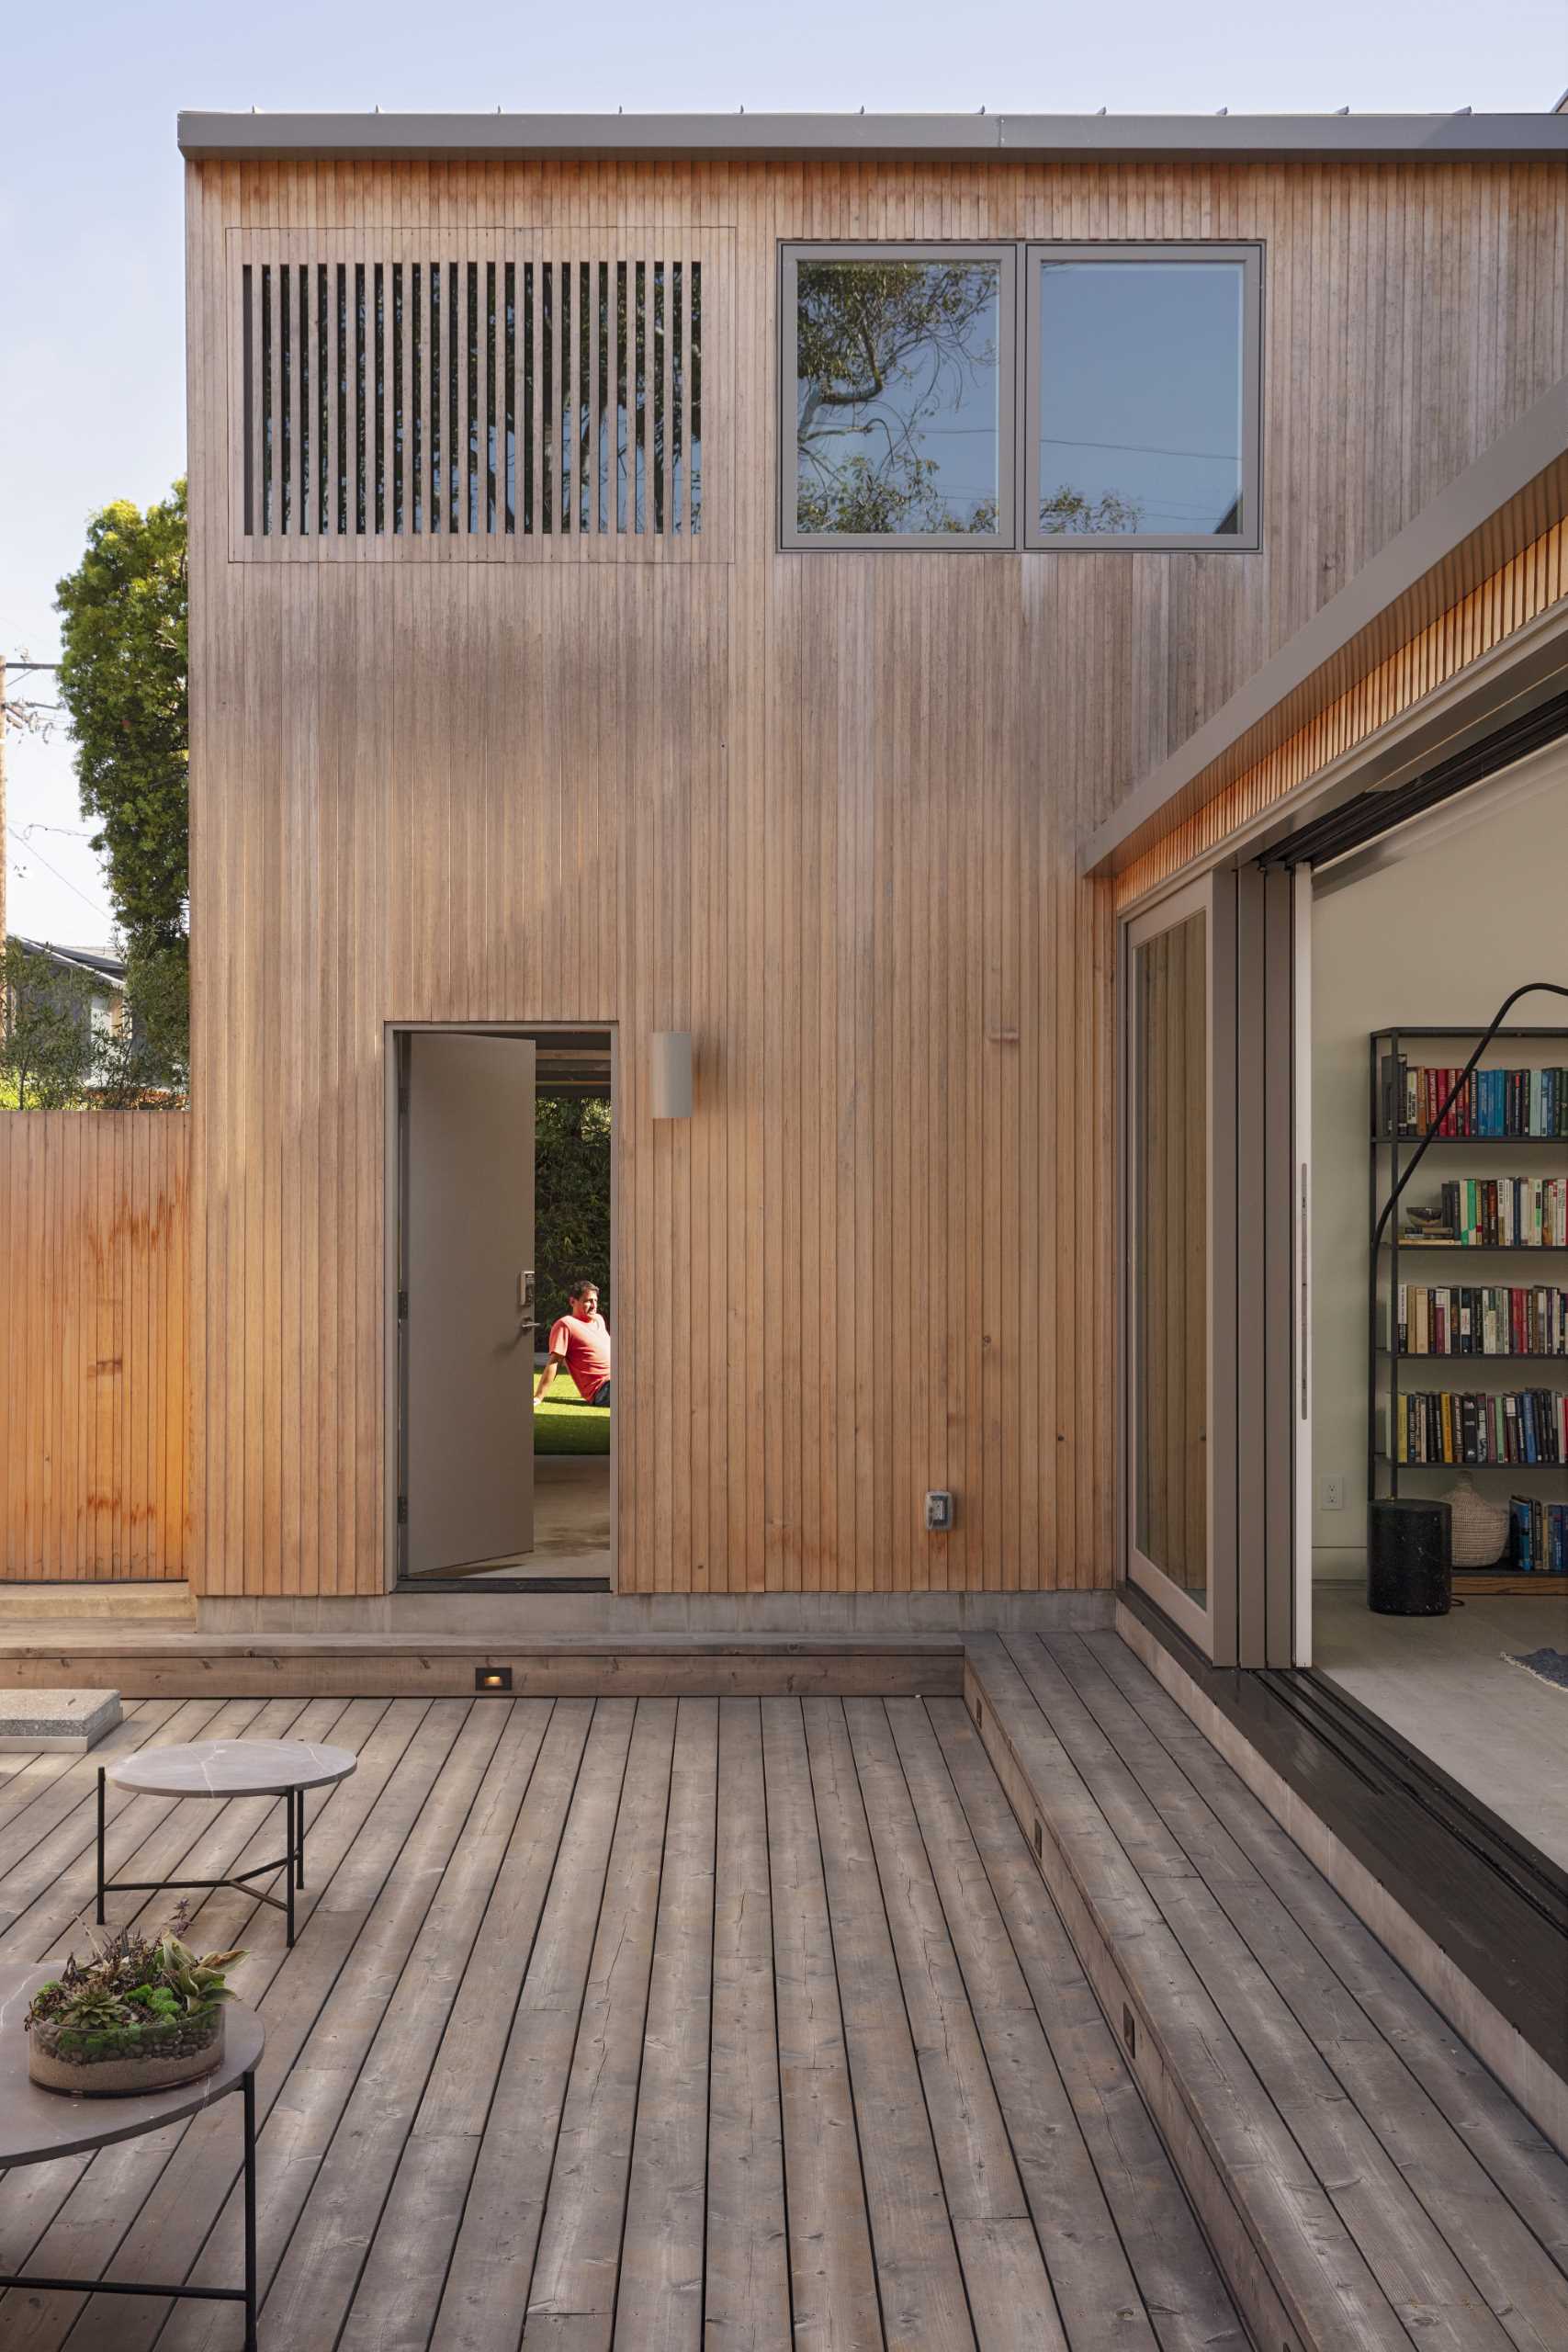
1514	491
1043	138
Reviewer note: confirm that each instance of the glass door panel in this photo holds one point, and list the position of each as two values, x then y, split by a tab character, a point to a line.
1169	1258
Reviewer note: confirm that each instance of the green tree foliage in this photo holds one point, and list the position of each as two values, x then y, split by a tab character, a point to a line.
52	1056
571	1200
1075	511
122	681
144	1065
884	348
46	1031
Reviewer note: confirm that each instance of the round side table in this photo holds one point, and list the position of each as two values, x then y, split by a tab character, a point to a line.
224	1769
36	2126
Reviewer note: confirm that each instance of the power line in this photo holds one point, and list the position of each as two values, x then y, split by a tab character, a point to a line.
65	878
1142	449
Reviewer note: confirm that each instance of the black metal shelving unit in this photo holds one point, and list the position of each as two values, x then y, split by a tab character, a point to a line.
1383	1392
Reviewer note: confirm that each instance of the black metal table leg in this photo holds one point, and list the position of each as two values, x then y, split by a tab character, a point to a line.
292	1865
291	1860
184	2292
249	2088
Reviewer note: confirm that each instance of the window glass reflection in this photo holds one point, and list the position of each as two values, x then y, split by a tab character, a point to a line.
1141	376
898	397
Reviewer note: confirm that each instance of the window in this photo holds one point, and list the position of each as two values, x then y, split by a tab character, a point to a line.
1143	376
1138	421
899	362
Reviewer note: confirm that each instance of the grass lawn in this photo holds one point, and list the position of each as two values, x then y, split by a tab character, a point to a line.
564	1424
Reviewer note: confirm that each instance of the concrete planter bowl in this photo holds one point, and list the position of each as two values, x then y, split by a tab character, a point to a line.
118	2062
138	2013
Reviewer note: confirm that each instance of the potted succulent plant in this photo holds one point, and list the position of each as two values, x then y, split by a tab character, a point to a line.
138	2014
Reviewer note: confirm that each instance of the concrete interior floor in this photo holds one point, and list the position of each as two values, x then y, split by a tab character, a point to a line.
1446	1684
571	1520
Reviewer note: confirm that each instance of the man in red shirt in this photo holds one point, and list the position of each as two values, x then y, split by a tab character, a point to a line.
581	1342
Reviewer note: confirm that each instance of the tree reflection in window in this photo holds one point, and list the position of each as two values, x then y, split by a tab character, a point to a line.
897	397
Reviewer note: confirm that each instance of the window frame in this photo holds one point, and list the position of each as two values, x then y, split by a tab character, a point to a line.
1006	254
1019	395
1249	254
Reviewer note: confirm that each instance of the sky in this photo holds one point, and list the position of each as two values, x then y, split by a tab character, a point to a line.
92	396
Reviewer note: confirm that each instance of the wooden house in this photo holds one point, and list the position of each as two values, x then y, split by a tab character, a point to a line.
532	690
998	687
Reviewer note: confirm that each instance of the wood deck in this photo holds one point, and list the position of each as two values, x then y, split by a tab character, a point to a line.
1365	2180
651	2022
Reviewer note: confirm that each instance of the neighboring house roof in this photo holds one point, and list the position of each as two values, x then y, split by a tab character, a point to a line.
97	962
1460	137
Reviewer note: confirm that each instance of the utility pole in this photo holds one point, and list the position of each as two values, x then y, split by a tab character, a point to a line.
4	854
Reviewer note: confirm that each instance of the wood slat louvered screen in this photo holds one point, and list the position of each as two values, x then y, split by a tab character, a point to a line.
499	394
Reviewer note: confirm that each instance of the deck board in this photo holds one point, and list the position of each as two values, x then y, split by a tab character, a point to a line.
1427	2288
666	2023
1300	2074
1530	2173
1493	2250
1119	2208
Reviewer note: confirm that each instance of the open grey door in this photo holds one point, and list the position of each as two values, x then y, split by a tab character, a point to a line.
466	1305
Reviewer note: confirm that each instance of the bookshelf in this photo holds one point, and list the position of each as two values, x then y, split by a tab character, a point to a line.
1486	1282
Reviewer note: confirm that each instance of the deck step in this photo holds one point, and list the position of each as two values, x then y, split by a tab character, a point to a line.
1362	2180
148	1662
160	1600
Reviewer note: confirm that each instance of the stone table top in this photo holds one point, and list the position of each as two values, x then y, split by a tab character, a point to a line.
231	1768
36	2125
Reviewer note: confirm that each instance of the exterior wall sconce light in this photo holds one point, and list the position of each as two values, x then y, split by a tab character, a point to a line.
670	1075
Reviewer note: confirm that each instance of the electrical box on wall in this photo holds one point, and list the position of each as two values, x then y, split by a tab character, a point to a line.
939	1511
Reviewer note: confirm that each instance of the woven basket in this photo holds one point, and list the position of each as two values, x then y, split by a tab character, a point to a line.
1480	1526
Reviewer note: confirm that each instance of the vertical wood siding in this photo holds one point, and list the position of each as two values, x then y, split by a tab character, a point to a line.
824	810
1519	591
94	1402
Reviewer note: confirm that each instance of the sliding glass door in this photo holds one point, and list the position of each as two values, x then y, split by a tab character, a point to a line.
1169	1258
1213	1258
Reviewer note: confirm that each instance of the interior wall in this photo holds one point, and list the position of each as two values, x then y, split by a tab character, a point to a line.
1437	925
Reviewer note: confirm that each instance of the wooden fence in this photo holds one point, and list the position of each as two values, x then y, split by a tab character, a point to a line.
95	1407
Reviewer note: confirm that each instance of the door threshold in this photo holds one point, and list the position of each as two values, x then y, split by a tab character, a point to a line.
485	1581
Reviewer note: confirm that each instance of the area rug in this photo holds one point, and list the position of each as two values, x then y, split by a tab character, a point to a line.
1547	1666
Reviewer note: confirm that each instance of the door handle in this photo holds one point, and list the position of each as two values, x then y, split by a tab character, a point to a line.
1303	1245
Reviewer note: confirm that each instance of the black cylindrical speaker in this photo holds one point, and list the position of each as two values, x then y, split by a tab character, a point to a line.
1410	1568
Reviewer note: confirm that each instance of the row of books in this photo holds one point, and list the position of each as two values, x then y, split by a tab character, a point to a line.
1528	1425
1452	1319
1490	1102
1486	1213
1537	1537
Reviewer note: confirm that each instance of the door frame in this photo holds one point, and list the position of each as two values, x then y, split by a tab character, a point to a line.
1301	1163
1258	1431
393	1178
1212	1626
1505	683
